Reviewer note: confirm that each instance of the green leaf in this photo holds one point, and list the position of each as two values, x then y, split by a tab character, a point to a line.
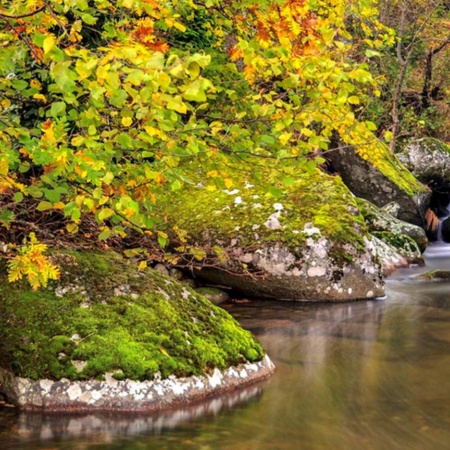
18	197
106	234
44	206
57	109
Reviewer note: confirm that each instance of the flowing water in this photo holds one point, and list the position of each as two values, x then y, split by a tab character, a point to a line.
353	376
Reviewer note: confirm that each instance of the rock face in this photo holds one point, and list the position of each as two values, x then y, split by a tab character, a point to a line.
378	176
107	336
308	244
379	220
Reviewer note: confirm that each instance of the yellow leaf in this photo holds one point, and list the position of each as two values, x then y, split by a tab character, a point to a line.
142	265
127	121
35	84
40	97
49	43
228	183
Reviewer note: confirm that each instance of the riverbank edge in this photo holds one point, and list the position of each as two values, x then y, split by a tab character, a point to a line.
128	395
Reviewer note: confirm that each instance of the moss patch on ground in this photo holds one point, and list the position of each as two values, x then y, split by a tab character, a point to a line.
248	216
104	316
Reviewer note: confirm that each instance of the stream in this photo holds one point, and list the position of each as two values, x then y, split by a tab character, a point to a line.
353	376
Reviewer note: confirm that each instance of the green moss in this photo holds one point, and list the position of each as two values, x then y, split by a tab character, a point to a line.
403	243
435	275
239	216
155	325
388	164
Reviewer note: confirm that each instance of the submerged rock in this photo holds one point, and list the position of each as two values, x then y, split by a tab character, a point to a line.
434	275
107	336
308	243
378	176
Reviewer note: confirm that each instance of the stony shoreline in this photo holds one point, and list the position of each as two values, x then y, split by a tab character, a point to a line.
127	395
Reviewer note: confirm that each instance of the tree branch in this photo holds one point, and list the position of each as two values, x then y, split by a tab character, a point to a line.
22	16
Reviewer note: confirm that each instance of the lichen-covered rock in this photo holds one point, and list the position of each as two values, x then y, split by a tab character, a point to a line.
379	220
390	258
105	317
393	208
428	159
128	395
403	244
378	176
308	243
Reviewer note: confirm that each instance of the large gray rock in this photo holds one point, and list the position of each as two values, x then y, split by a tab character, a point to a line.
379	220
309	244
428	159
378	176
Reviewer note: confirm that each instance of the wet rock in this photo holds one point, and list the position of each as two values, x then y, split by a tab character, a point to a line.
434	275
378	176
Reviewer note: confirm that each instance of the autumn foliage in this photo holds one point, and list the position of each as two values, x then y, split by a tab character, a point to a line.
104	104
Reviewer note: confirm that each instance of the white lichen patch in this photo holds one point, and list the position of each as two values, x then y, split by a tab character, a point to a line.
127	394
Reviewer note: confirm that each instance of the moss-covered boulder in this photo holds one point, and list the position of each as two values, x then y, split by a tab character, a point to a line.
376	174
308	242
379	220
106	321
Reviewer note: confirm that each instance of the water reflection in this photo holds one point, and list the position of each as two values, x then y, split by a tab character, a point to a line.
101	428
356	376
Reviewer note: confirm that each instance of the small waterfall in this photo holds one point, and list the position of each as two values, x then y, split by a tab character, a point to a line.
439	235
